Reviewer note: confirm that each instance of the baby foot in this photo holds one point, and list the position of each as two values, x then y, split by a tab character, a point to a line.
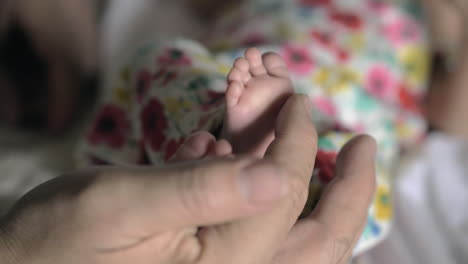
201	145
258	88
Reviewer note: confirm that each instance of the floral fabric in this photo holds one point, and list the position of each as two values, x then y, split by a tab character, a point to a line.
363	63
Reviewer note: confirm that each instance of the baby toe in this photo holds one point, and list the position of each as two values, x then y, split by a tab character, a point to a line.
254	57
275	65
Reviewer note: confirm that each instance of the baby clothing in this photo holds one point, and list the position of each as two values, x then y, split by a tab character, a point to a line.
363	63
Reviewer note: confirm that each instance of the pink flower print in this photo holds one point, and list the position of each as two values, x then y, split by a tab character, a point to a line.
174	57
298	59
380	83
359	128
403	31
325	106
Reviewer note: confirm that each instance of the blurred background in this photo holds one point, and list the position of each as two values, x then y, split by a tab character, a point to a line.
55	54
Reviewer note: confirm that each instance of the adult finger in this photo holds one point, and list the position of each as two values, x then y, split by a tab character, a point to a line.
331	232
197	194
295	144
255	239
343	207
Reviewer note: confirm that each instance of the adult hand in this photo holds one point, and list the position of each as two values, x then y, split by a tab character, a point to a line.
223	210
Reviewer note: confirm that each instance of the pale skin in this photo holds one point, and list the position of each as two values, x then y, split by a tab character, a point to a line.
447	97
228	208
258	86
150	215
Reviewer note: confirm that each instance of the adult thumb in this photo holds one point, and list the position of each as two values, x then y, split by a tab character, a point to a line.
199	194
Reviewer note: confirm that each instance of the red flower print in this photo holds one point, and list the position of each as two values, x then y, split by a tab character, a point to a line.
348	20
111	127
408	101
325	162
325	39
313	3
174	57
154	124
144	80
298	59
172	147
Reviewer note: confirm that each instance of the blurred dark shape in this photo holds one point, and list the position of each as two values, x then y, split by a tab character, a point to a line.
25	68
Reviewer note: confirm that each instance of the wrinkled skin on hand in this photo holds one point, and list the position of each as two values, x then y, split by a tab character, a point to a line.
225	209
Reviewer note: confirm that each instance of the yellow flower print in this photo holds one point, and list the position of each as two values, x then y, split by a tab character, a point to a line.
204	58
416	64
335	80
403	130
176	107
322	76
122	96
125	75
222	45
284	31
224	69
355	42
383	206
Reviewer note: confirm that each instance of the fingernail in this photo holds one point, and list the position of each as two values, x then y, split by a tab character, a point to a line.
262	184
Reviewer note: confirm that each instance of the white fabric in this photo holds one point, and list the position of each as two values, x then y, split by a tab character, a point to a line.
431	198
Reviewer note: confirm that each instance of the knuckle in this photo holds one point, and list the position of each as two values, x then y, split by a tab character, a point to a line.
339	249
299	193
192	192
